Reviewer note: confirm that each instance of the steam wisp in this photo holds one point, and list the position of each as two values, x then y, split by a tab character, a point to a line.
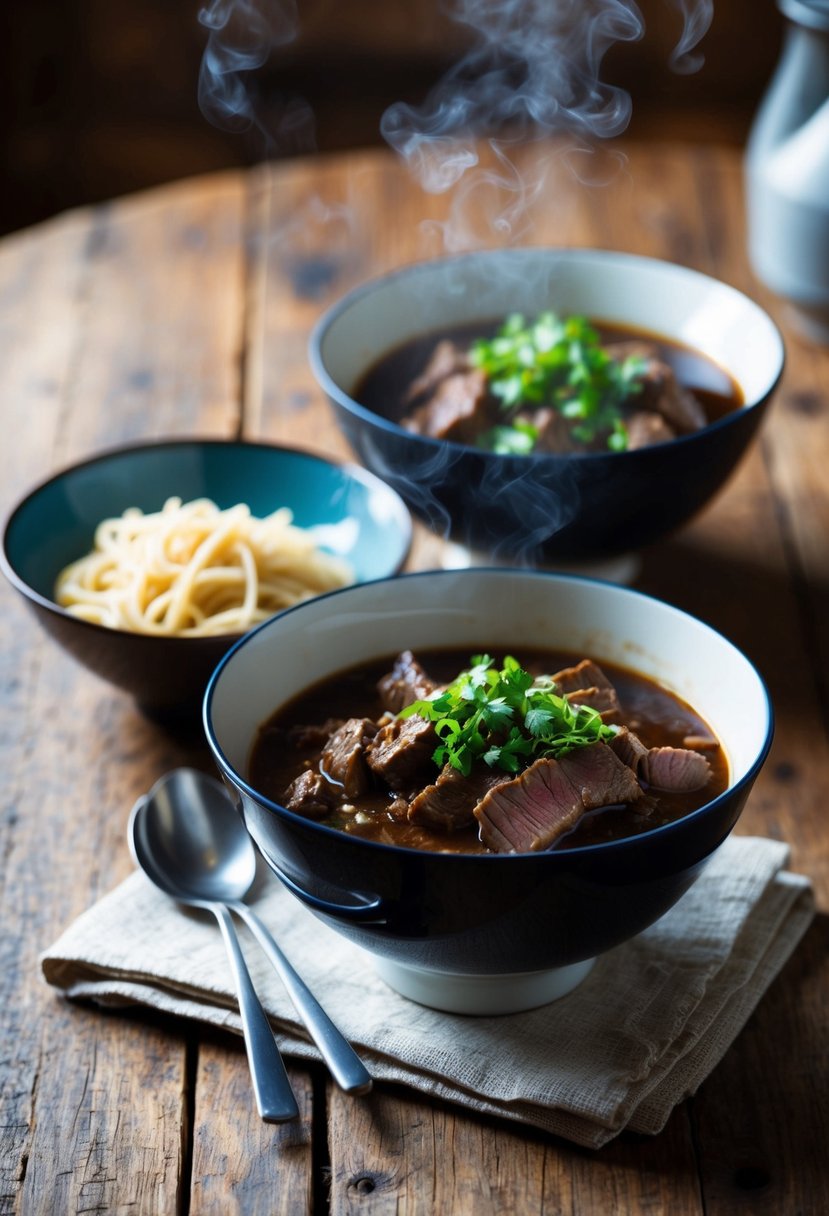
533	70
242	36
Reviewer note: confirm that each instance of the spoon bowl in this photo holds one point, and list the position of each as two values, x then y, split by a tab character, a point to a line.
189	839
192	839
154	834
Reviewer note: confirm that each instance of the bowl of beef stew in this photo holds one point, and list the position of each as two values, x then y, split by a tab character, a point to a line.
546	406
487	778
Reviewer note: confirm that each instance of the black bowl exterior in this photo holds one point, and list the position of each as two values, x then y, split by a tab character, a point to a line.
535	509
166	676
487	915
542	508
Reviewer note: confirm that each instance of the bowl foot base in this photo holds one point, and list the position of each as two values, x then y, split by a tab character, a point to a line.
622	569
483	995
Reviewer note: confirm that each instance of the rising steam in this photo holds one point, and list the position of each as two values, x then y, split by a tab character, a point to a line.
242	36
534	69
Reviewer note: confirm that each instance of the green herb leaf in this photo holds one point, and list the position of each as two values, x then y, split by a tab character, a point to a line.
505	717
559	363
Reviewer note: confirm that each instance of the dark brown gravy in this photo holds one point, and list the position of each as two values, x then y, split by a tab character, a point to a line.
658	717
382	388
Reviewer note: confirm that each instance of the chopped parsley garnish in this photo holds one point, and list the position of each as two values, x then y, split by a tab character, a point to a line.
505	717
559	363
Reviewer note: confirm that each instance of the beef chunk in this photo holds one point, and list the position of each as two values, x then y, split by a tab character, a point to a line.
531	811
587	684
446	360
660	392
405	683
677	770
628	747
646	428
401	752
458	410
450	803
343	757
554	433
663	394
311	795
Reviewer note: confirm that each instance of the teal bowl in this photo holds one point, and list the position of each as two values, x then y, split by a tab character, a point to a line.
355	514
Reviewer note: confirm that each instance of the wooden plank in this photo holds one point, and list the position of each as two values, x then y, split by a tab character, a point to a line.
739	567
392	1152
241	1164
162	319
110	330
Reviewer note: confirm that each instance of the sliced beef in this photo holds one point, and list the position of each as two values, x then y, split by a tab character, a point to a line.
446	359
587	684
405	683
531	811
677	770
400	754
343	758
628	747
646	428
458	410
600	776
585	674
450	803
603	700
311	795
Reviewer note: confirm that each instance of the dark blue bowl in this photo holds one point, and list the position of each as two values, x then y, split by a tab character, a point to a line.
539	509
486	933
55	524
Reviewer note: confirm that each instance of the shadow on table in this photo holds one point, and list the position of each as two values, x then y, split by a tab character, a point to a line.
771	618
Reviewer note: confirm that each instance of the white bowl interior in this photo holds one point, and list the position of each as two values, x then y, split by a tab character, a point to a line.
489	608
644	293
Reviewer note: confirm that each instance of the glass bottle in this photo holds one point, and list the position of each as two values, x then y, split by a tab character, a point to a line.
787	171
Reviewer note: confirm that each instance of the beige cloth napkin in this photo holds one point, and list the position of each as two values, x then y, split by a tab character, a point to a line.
640	1034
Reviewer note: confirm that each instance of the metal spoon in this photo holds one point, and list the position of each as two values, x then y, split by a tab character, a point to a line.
188	826
275	1099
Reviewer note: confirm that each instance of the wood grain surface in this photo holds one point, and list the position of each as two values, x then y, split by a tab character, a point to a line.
187	311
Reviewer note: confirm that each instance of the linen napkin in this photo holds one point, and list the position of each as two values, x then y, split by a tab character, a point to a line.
641	1032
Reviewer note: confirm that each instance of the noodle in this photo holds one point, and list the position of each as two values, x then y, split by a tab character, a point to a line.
194	570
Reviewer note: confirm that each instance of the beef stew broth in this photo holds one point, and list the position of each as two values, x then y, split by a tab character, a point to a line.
284	749
386	388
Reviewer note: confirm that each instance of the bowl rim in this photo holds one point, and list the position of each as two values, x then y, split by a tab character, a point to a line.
352	470
625	842
569	253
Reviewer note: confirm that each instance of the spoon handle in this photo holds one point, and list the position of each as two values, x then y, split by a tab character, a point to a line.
346	1066
274	1097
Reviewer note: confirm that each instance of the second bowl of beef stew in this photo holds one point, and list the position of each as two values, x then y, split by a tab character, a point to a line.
541	405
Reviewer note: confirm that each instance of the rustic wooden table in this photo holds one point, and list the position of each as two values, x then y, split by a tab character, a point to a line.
187	311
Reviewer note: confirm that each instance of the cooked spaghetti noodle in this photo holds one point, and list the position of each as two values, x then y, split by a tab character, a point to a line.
192	569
